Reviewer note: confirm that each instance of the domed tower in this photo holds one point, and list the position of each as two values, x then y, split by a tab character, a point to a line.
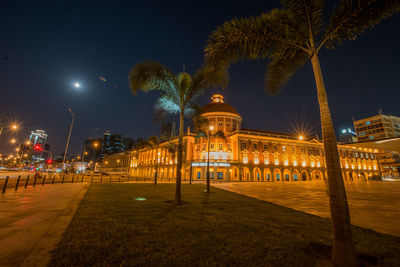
223	117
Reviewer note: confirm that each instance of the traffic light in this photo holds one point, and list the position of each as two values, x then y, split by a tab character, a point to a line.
38	148
49	161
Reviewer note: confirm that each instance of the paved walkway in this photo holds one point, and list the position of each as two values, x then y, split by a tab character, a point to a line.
33	220
374	205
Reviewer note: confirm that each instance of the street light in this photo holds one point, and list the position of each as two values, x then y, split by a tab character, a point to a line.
69	135
12	127
13	141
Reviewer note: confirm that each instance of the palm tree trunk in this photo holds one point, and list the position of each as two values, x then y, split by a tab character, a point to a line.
178	197
208	166
342	249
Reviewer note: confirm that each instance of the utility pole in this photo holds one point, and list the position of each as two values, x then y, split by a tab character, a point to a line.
69	135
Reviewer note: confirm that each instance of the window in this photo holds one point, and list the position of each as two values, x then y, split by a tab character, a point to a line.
229	146
255	159
254	146
244	145
268	177
234	126
294	177
204	146
293	149
220	123
228	124
198	175
283	148
265	147
212	146
220	147
245	160
211	175
220	175
287	177
275	148
302	150
278	178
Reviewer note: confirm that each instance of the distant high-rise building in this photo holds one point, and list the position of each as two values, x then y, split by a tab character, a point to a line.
93	148
380	126
167	130
115	143
38	137
348	136
40	150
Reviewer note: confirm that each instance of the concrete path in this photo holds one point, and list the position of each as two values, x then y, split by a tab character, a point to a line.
374	205
33	220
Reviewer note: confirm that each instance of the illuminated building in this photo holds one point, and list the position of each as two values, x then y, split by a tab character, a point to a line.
243	154
380	126
114	143
37	137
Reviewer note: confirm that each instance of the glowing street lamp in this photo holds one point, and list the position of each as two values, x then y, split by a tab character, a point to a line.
13	141
301	137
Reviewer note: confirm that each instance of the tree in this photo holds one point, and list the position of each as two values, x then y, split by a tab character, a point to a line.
152	142
205	130
178	94
288	38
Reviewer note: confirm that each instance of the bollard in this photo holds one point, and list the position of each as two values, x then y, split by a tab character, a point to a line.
62	181
16	186
34	181
44	179
91	180
82	178
27	181
101	178
54	177
5	185
72	179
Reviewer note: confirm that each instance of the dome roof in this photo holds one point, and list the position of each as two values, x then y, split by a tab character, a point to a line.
217	105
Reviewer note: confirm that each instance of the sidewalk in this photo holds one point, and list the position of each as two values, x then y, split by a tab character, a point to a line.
33	220
374	205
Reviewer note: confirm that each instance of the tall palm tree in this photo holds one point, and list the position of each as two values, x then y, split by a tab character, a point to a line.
289	37
178	94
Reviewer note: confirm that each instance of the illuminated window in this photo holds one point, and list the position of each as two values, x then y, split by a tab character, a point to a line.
220	147
244	145
293	149
266	160
229	146
265	147
283	148
255	159
204	146
276	160
245	160
254	146
275	148
294	162
212	146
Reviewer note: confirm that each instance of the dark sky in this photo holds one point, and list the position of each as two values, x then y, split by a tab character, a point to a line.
52	44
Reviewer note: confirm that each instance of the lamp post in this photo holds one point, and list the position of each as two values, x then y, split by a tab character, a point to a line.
208	159
13	127
69	135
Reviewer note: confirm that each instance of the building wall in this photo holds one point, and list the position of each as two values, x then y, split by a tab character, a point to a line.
377	127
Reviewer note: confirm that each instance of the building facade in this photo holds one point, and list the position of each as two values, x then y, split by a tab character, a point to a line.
238	154
377	127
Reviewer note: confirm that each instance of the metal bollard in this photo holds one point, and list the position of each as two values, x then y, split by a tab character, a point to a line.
44	179
91	180
101	178
27	181
72	179
5	185
54	177
62	181
82	178
34	181
16	186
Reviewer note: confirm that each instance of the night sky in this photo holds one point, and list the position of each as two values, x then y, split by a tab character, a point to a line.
46	46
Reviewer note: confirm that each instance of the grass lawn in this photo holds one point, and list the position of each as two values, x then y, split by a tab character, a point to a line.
110	227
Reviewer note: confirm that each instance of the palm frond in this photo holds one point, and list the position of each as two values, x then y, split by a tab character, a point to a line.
307	14
352	17
151	75
281	68
250	38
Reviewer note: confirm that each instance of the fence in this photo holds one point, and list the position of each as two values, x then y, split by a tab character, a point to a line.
42	179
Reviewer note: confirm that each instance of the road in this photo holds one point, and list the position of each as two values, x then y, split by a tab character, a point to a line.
374	205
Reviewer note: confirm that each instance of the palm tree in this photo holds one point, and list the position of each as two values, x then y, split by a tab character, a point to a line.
205	130
289	37
178	94
152	142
